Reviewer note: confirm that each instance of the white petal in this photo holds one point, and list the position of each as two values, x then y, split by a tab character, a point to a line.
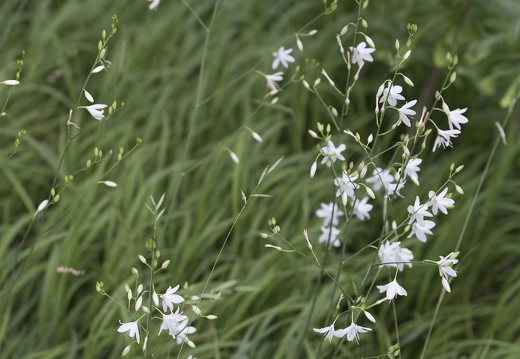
124	327
340	333
176	299
401	290
449	271
390	292
137	336
97	106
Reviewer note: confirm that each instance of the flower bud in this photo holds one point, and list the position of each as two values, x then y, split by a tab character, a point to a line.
408	81
314	167
126	350
11	82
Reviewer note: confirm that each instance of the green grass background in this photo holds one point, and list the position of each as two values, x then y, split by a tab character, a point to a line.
186	126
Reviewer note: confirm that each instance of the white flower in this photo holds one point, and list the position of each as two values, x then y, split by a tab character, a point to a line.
455	117
174	323
11	82
420	230
418	211
412	168
383	179
405	111
333	232
444	138
331	153
329	332
352	331
393	93
329	212
132	328
362	209
392	289
439	202
361	53
170	298
182	336
273	79
380	178
282	56
445	269
346	186
153	4
396	187
96	110
394	255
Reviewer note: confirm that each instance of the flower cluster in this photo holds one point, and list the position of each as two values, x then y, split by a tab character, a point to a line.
283	57
445	269
97	110
391	254
417	213
173	320
384	179
175	323
346	189
330	213
455	120
146	305
351	332
357	184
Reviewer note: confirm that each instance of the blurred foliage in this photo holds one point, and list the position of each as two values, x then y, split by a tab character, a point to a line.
156	60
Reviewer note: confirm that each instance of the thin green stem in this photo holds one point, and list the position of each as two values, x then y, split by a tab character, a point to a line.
468	216
346	104
148	351
196	15
195	113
